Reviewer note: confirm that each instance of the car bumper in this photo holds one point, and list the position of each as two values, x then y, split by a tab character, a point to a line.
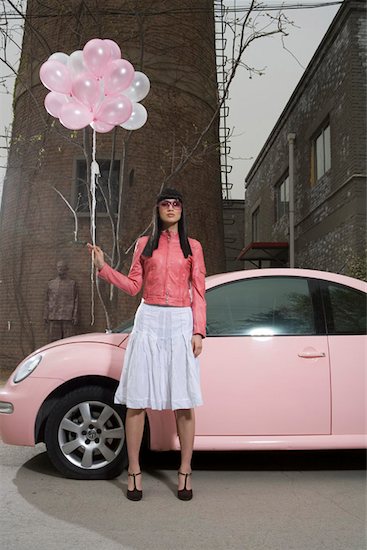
19	406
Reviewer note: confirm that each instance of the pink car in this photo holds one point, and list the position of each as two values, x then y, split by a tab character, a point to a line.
283	367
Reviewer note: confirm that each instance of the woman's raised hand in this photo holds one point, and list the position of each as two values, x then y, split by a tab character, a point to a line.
98	255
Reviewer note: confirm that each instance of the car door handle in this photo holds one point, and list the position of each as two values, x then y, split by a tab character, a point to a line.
311	353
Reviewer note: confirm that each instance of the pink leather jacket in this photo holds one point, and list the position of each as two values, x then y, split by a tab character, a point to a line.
166	276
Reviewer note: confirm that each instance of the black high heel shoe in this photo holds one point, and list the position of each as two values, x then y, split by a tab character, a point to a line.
134	494
184	494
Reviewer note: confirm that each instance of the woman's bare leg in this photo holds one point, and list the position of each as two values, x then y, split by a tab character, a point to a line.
134	427
185	419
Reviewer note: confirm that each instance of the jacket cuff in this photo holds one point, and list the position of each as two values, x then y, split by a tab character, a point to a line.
102	271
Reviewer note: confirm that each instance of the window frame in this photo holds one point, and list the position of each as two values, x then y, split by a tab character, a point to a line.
316	301
255	217
76	187
328	309
277	191
314	157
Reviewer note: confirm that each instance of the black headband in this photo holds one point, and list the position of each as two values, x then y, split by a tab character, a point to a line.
169	193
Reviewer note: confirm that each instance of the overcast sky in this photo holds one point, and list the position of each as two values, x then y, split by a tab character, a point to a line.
254	104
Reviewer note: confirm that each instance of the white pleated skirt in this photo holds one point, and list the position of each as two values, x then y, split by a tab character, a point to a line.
160	370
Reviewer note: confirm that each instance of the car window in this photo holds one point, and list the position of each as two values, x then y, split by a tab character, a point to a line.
347	310
261	306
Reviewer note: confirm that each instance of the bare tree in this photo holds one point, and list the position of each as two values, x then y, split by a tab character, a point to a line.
253	24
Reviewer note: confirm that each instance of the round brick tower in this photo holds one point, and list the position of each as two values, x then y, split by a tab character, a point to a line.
174	44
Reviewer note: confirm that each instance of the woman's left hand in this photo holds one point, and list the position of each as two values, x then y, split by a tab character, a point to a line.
197	345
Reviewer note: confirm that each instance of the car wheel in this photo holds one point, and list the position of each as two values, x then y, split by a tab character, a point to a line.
85	434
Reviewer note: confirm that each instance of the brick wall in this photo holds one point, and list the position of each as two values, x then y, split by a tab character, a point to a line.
330	215
176	51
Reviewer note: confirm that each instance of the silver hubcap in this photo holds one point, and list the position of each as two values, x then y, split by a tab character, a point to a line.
91	435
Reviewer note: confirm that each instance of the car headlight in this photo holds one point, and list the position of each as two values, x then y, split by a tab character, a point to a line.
27	367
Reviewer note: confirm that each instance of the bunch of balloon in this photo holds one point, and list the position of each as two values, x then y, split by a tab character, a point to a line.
95	87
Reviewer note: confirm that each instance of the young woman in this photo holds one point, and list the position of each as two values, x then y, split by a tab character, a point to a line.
161	366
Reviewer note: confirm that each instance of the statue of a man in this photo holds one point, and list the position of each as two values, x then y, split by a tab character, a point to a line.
61	308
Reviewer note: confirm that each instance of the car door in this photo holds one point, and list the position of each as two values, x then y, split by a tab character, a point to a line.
346	326
266	363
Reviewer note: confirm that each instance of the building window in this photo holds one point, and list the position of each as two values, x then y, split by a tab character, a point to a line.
104	192
321	154
255	225
282	198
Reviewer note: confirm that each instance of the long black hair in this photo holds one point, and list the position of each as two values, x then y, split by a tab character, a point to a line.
152	243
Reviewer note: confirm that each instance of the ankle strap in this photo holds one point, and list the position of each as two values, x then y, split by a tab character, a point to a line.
186	476
134	476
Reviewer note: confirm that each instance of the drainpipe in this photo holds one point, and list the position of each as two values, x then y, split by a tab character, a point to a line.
291	138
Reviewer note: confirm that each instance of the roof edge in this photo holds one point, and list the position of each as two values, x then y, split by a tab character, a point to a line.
316	59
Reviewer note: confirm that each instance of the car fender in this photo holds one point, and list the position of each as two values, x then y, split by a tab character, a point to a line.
81	359
60	366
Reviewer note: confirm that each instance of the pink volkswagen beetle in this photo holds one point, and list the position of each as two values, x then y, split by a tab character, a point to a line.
283	367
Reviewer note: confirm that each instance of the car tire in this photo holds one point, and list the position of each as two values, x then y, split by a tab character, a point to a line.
85	434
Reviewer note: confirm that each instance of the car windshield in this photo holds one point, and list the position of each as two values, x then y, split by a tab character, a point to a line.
125	327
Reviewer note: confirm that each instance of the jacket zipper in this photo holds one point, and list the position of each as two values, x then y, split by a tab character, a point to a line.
169	237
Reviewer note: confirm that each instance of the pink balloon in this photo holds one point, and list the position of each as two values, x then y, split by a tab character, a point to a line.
53	103
114	110
85	88
56	76
101	127
96	55
118	76
75	116
114	48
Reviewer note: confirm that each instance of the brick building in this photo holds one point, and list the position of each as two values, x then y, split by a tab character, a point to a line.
327	115
175	46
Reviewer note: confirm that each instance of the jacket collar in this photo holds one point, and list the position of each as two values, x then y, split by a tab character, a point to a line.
172	234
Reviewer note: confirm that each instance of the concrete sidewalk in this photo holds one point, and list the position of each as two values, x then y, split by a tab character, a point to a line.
244	501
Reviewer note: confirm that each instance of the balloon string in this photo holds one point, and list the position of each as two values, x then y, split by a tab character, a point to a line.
94	173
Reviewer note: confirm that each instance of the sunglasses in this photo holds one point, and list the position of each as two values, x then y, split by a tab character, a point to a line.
175	204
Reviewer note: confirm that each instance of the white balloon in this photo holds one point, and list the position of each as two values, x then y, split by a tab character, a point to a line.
61	57
139	88
137	119
76	62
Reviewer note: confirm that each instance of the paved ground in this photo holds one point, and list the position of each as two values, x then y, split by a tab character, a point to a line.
248	501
